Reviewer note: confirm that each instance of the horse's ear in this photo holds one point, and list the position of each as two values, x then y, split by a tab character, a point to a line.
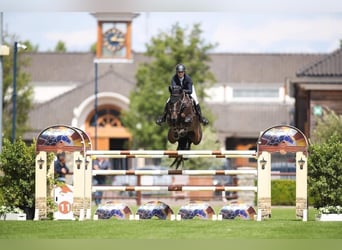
170	89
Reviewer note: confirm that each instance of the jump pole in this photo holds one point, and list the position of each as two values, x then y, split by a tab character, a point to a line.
172	153
175	188
174	172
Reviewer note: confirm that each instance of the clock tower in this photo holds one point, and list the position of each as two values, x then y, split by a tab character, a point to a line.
114	35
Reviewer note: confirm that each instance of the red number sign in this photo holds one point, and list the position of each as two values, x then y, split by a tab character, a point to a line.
64	207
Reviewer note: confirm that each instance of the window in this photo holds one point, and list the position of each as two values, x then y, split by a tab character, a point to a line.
234	92
106	117
255	93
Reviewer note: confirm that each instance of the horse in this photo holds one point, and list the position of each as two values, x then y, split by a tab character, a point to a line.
183	121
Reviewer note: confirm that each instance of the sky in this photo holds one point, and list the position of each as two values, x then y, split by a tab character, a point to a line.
241	30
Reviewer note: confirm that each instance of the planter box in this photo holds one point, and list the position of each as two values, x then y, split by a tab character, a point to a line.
13	217
329	217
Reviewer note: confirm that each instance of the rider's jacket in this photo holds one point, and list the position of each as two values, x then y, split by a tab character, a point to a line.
186	84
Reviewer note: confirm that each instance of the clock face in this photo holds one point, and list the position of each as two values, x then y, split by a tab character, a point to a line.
114	39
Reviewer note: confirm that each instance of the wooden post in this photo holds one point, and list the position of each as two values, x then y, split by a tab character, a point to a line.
301	185
87	185
264	185
138	192
129	40
99	40
41	185
79	183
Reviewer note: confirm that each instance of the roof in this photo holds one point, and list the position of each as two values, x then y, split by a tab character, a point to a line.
330	65
227	67
258	67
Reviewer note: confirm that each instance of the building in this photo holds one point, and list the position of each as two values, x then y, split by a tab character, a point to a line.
251	93
316	87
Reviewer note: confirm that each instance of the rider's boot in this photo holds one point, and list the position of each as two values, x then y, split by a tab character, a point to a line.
162	118
202	119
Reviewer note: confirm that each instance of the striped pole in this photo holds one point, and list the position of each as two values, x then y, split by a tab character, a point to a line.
174	172
172	153
174	188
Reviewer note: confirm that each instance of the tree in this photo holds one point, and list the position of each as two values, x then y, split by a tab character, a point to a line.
93	48
60	47
17	183
148	99
325	161
330	123
325	172
24	92
30	47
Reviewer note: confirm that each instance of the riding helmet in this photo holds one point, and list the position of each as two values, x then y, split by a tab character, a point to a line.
180	67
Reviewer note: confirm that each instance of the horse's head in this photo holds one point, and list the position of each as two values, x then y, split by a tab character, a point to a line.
175	90
176	103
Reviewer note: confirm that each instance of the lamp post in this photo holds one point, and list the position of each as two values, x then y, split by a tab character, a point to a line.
95	102
17	45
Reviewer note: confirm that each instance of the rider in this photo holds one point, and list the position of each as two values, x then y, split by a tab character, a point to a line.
185	81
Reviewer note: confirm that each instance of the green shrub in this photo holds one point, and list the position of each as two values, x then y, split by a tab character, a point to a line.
325	172
17	184
283	192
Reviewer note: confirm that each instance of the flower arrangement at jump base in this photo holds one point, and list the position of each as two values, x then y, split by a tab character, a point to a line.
9	213
330	213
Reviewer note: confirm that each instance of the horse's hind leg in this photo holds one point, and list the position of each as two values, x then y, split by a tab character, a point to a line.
188	145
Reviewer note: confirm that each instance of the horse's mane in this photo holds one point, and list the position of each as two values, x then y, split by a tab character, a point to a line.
176	92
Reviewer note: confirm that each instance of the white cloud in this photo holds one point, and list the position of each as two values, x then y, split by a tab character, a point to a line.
234	31
291	35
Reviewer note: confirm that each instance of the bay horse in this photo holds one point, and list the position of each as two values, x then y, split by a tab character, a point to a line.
183	121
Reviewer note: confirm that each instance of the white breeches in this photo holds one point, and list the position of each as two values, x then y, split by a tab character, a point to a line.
193	95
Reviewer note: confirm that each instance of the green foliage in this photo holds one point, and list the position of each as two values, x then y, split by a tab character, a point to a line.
30	47
24	94
18	167
325	161
325	172
92	48
327	125
60	47
283	192
148	99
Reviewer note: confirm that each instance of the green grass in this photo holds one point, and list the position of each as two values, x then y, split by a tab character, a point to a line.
282	225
